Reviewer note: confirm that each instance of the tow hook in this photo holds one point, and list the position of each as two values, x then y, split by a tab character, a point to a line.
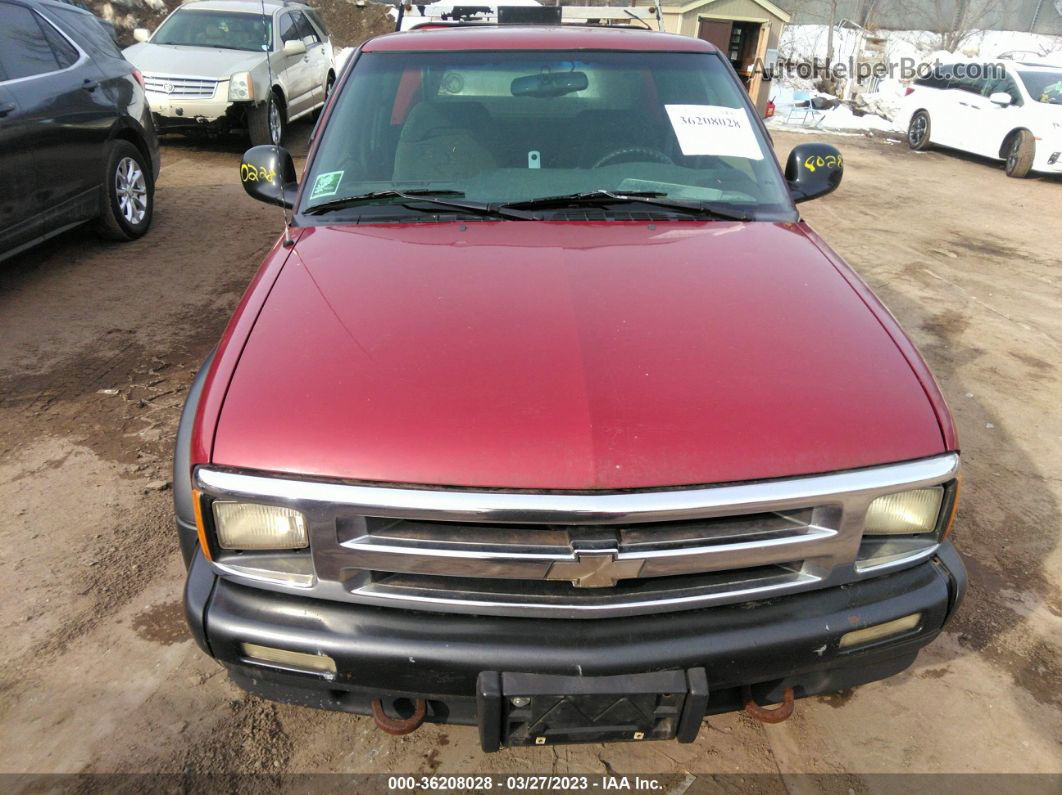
776	715
399	726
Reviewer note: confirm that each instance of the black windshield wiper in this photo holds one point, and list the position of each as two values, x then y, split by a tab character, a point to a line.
421	195
602	197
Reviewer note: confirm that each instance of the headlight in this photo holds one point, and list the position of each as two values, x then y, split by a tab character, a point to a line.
245	525
241	87
905	513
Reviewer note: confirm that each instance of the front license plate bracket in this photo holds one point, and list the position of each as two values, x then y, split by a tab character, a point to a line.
519	709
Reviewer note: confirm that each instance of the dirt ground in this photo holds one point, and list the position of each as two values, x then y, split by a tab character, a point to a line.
99	343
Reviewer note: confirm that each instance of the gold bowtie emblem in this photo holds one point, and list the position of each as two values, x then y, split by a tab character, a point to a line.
594	570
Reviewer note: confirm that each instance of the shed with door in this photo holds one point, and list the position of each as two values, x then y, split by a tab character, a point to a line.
746	31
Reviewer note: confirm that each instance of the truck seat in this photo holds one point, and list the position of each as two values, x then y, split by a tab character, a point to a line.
444	141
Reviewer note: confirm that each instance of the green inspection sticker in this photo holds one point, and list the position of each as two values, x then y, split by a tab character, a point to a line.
326	184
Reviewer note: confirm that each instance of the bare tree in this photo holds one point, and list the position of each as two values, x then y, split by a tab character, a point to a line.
954	21
831	23
828	13
868	14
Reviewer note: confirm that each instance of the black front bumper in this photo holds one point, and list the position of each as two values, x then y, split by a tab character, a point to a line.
771	645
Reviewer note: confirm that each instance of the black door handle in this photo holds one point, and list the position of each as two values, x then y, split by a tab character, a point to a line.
89	84
6	108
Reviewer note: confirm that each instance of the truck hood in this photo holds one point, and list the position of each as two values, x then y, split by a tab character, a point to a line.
568	356
177	61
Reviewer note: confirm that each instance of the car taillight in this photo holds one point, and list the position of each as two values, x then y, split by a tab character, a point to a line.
909	91
139	77
770	110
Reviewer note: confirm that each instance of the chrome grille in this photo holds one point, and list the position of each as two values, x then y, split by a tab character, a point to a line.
553	597
584	556
579	555
180	87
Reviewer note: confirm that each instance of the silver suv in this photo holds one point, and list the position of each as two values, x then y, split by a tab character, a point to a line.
223	65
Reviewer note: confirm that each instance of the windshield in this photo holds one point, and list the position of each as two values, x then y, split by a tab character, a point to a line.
222	29
1043	86
516	126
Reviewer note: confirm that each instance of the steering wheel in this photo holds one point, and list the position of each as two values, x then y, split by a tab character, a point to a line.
654	154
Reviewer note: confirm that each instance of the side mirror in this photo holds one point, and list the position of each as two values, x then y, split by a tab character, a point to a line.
813	170
141	34
1001	98
268	174
294	47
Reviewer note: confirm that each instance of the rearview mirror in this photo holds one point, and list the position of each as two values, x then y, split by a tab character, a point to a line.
1001	98
141	34
549	84
813	170
294	47
268	174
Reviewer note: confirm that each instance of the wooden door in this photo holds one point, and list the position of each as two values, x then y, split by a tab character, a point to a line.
758	90
716	32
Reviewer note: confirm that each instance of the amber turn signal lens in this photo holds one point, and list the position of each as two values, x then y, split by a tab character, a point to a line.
197	506
954	508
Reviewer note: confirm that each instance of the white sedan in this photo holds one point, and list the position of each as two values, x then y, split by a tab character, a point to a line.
1005	110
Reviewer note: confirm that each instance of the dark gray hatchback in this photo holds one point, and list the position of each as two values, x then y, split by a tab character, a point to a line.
77	142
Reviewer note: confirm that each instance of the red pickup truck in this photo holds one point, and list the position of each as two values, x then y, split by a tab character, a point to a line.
550	415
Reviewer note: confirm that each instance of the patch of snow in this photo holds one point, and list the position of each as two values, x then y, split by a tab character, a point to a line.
342	57
842	118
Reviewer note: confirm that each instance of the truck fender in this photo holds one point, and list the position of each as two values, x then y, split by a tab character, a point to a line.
182	467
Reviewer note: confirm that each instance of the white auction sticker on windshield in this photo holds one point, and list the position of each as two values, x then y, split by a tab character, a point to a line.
714	130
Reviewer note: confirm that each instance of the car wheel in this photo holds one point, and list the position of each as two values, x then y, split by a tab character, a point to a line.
129	194
1020	154
268	122
918	131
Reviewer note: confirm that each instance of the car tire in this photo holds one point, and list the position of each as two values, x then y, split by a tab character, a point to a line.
129	194
264	127
1020	154
918	131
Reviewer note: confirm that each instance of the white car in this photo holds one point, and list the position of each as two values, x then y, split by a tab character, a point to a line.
223	65
1005	110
